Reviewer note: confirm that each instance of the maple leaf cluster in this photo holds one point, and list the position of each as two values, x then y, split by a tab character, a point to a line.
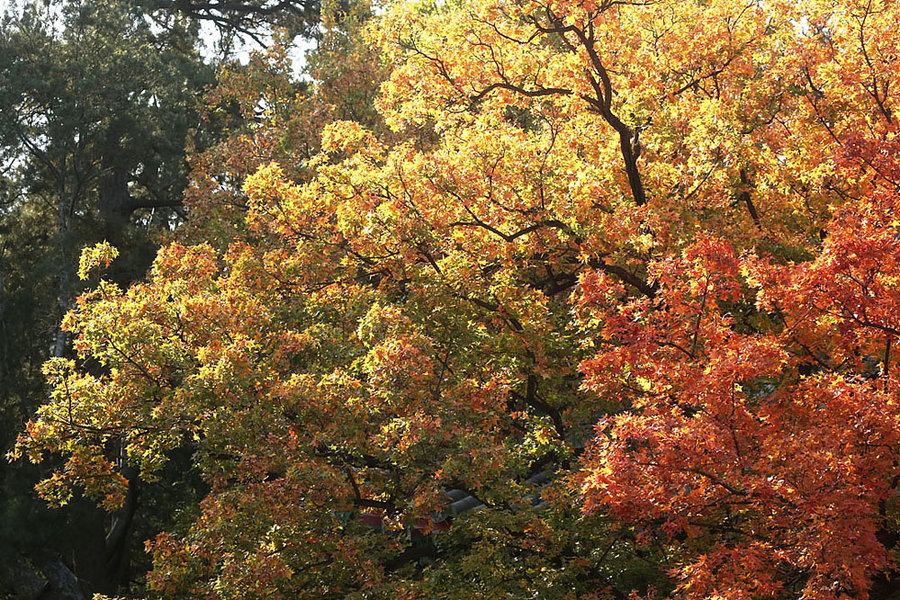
625	274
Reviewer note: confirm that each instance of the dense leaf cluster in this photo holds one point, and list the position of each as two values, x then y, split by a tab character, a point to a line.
621	277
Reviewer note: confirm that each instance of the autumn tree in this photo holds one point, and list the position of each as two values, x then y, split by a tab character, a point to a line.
622	276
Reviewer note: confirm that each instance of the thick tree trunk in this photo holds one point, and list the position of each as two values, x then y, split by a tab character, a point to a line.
118	553
116	203
66	267
3	341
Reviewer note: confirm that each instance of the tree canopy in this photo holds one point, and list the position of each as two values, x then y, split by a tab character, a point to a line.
600	299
